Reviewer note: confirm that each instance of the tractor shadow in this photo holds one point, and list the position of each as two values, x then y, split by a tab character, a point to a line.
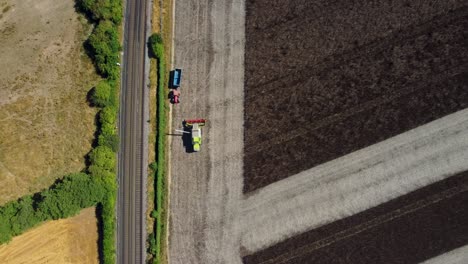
170	95
187	139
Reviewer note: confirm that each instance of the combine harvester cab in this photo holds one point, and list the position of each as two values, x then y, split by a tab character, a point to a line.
195	127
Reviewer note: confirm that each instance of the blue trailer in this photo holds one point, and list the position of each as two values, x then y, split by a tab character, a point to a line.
175	78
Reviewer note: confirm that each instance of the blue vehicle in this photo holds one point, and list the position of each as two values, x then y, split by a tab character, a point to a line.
175	78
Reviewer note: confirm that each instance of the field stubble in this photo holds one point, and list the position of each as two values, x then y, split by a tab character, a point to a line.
66	241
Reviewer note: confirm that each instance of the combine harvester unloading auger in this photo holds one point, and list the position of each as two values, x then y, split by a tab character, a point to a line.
194	127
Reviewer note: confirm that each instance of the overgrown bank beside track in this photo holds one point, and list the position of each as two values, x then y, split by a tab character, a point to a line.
158	168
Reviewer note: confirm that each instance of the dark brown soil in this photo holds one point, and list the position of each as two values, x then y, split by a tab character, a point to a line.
325	78
407	230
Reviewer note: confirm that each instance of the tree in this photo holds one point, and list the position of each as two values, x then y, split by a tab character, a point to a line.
156	45
105	48
108	136
156	38
102	9
103	157
67	197
5	229
101	94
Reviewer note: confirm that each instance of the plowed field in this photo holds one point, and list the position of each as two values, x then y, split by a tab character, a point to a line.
409	229
326	78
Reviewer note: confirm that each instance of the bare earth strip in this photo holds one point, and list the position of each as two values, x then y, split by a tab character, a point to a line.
356	182
456	256
66	241
207	186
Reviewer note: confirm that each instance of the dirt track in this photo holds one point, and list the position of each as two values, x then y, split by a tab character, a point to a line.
206	186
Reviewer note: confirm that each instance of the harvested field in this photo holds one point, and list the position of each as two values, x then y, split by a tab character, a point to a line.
45	122
323	80
409	229
66	241
355	182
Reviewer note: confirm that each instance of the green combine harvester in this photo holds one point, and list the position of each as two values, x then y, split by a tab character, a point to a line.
195	127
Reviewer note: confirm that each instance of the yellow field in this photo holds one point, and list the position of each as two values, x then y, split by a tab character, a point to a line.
67	241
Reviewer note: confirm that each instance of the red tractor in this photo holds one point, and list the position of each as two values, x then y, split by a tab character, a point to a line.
174	96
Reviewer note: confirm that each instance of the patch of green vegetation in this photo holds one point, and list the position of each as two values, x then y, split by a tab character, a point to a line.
104	47
99	10
101	94
63	199
155	239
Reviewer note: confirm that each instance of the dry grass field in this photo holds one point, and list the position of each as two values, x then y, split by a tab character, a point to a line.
45	122
67	241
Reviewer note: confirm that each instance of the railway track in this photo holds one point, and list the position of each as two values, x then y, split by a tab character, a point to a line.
131	173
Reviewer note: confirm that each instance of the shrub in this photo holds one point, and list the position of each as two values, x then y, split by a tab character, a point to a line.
156	46
64	199
105	48
103	157
22	215
107	120
156	38
152	244
154	214
153	166
69	196
110	141
102	9
101	94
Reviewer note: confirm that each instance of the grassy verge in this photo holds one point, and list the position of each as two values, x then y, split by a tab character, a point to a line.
156	238
162	25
